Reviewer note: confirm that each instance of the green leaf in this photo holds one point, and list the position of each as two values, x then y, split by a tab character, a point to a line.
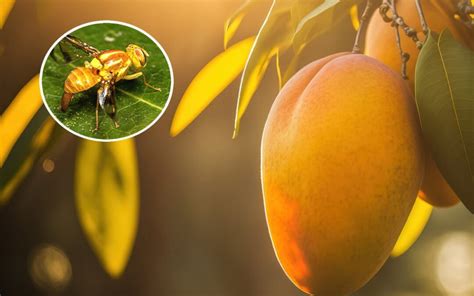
319	20
107	200
445	99
137	105
274	35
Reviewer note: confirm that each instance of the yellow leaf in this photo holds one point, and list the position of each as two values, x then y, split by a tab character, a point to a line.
233	22
107	200
22	165
291	68
274	35
17	116
354	13
209	83
320	20
5	8
278	69
413	228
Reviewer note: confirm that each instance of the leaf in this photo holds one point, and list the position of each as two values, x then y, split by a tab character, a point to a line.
138	105
25	134
417	220
278	70
5	8
209	83
445	101
319	21
274	35
107	200
17	116
354	14
291	68
34	141
234	21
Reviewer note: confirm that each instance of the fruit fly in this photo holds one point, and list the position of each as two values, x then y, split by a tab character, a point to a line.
106	68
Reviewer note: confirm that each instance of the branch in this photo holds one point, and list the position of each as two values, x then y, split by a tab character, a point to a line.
422	17
397	22
369	8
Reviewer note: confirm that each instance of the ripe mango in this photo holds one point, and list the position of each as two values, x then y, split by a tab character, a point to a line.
342	161
381	44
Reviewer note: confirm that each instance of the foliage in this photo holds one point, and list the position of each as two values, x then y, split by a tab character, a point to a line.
289	23
209	83
26	132
107	199
417	220
137	105
445	100
5	8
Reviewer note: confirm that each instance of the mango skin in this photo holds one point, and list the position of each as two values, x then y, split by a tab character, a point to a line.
342	161
380	44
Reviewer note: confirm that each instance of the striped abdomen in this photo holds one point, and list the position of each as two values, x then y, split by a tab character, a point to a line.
80	79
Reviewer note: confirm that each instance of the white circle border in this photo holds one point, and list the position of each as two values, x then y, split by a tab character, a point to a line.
43	97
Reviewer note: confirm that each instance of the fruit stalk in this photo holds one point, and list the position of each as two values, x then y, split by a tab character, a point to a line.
403	55
398	22
424	25
369	8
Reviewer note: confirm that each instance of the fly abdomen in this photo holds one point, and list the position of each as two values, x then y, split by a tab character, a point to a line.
80	79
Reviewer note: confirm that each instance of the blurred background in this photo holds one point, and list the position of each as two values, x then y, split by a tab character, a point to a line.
202	227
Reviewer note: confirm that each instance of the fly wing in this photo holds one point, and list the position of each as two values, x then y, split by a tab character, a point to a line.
106	97
79	44
71	48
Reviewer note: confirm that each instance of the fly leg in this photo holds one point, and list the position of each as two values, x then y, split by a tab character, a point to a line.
140	74
114	105
96	115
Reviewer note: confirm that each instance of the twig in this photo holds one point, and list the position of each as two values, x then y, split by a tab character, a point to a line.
424	25
369	8
396	20
403	55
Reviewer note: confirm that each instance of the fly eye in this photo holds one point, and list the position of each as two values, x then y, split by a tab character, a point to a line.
141	56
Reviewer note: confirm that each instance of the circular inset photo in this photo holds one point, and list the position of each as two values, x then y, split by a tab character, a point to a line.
106	81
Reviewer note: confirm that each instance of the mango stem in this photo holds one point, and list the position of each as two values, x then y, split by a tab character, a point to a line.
369	8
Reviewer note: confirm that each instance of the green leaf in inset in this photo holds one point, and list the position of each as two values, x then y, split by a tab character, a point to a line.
444	88
137	105
107	199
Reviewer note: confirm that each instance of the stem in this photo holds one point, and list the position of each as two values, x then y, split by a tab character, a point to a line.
363	20
403	55
396	20
422	17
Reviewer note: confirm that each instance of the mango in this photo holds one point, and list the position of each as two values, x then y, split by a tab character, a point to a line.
381	44
342	160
